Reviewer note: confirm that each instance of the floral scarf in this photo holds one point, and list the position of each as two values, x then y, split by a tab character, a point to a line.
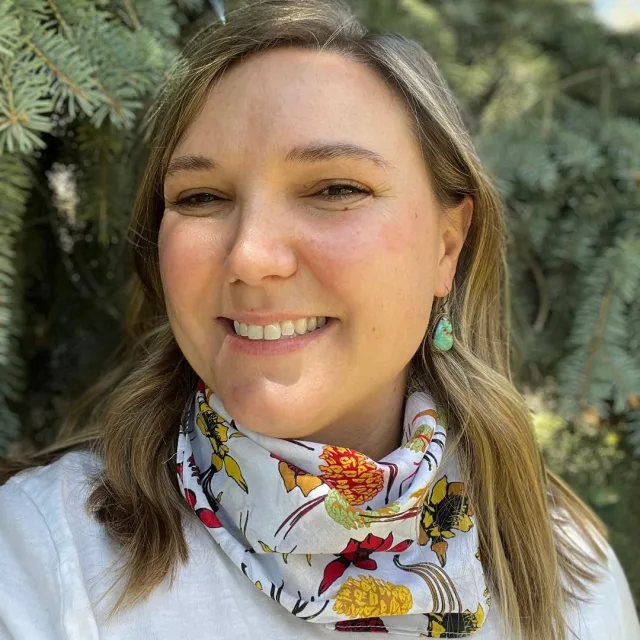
333	536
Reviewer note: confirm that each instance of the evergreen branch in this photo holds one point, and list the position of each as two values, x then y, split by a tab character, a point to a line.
14	190
24	107
156	15
132	15
544	303
58	16
605	93
190	5
9	28
60	75
596	342
111	101
602	72
126	66
619	377
72	74
576	78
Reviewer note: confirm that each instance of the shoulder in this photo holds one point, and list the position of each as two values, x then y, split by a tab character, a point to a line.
75	464
45	504
39	499
37	507
40	493
607	609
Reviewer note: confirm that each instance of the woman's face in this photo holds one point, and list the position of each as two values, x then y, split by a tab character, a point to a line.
300	192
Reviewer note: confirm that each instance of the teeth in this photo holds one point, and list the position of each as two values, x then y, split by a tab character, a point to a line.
272	332
256	332
278	330
301	326
287	328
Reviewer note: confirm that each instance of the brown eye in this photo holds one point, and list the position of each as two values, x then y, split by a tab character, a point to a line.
197	200
341	191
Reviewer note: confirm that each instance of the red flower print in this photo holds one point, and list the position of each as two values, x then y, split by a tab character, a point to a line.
209	518
179	470
190	497
191	461
357	553
372	625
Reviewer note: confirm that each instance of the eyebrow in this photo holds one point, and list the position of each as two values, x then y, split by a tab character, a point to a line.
190	163
317	152
320	152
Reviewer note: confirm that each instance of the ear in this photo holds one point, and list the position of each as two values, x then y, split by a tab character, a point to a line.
454	226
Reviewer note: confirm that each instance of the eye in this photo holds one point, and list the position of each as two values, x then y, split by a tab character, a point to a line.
340	191
196	200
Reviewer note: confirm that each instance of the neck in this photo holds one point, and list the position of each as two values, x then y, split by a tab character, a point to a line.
374	427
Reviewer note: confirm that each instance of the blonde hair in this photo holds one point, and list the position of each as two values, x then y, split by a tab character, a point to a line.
130	417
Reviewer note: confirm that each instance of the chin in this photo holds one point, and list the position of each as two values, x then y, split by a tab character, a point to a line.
277	410
280	417
279	423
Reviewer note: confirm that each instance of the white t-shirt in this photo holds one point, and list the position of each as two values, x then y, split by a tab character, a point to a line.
54	561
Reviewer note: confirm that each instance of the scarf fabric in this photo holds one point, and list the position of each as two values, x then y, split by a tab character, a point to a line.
333	536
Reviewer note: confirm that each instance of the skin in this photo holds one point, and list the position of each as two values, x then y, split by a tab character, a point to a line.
272	241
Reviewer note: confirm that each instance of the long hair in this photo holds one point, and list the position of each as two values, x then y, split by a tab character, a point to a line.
130	417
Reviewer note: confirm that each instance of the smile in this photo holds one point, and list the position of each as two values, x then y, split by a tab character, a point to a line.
275	338
286	329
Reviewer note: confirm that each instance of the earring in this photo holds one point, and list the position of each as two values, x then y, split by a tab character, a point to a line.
441	339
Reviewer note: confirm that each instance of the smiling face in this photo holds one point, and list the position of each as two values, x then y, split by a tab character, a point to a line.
300	191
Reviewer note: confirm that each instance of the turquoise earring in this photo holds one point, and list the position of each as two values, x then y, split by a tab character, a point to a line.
442	337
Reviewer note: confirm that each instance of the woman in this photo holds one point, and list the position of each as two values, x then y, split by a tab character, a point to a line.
299	438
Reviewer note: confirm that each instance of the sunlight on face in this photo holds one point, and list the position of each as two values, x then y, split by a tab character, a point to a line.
299	191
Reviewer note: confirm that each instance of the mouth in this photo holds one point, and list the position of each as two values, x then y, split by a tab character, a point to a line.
228	325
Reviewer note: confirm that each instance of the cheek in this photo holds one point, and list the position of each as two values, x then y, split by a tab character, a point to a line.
186	267
382	270
371	260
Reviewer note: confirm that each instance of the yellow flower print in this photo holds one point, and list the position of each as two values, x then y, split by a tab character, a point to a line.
447	508
368	597
455	625
217	432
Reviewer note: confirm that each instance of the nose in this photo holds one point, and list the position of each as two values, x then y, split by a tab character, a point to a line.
262	246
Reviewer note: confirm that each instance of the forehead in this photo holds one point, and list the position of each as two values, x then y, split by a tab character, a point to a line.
284	97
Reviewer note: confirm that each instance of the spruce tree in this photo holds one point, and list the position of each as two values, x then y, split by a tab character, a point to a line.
75	79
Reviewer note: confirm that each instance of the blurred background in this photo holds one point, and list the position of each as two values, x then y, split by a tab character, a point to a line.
550	90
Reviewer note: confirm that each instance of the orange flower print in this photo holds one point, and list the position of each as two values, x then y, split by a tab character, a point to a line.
369	597
293	477
447	508
351	473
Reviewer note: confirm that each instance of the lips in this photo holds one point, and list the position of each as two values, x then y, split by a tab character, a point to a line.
270	346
